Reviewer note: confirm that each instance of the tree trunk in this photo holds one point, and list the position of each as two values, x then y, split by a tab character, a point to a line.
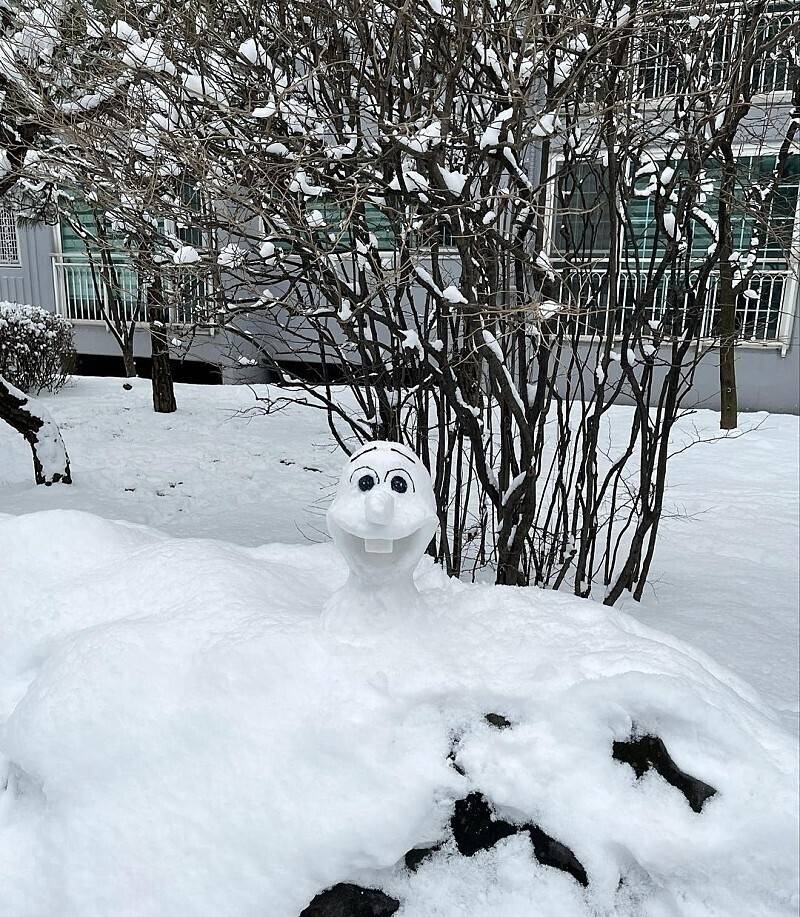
727	349
726	301
127	359
161	371
50	459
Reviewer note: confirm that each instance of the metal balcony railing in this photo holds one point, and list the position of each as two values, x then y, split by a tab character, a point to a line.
84	293
659	53
763	311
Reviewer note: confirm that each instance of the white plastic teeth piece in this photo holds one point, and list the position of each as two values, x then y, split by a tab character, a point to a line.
378	545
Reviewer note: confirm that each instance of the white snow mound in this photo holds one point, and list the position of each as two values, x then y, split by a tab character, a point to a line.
180	736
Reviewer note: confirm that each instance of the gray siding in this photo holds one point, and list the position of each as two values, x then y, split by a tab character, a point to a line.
31	282
767	379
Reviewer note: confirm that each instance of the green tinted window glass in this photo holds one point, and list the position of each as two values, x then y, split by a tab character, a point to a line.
339	220
86	216
751	172
583	228
71	241
783	208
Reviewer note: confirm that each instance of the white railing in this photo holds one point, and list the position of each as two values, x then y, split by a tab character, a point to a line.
659	68
763	311
87	293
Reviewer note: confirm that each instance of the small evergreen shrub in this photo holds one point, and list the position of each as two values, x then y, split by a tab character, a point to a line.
36	349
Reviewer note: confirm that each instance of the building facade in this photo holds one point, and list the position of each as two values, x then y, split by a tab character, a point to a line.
37	269
47	266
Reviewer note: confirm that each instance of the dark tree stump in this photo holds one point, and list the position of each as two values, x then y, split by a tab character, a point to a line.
645	752
160	369
346	900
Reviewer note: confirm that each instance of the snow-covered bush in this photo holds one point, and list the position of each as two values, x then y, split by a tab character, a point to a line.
36	349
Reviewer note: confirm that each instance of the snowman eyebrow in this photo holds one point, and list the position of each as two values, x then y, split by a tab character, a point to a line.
364	468
362	452
410	458
405	475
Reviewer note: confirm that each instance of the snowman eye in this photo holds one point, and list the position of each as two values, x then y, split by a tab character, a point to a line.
365	478
399	481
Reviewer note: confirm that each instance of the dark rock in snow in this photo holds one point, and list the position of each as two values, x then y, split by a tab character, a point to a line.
550	852
452	756
417	855
476	828
645	752
346	900
498	721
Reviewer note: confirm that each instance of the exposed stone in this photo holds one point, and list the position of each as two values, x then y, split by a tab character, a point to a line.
346	900
498	721
550	852
645	752
475	827
417	856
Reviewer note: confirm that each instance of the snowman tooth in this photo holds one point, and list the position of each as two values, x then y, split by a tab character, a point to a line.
378	545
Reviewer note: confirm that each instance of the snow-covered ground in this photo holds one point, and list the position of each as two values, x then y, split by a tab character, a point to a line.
725	577
179	735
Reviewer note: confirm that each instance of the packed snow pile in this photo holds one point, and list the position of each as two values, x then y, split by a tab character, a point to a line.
182	736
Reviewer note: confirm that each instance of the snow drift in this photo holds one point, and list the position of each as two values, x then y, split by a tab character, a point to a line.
182	736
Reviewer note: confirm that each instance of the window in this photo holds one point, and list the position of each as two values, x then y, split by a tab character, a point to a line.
72	242
582	238
774	72
662	49
93	285
584	230
9	243
341	221
752	172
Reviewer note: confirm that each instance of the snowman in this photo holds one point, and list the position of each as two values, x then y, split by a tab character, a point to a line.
382	519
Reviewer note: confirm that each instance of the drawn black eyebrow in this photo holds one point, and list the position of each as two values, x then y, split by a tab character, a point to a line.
405	474
362	452
411	458
363	468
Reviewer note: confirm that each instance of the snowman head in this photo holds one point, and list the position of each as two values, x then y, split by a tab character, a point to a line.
384	513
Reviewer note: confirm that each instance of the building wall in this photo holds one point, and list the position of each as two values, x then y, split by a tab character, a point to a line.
768	377
765	380
768	380
31	281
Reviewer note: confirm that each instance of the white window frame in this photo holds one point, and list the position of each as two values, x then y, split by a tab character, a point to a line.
9	223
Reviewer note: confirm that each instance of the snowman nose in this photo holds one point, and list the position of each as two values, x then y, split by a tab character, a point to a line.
379	508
